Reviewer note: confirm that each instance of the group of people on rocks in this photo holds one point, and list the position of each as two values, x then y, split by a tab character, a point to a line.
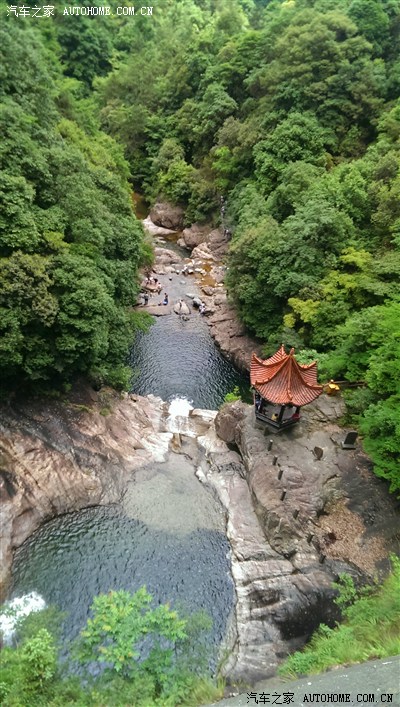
153	283
146	296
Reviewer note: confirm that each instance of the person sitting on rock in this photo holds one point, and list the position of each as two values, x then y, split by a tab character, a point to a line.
165	298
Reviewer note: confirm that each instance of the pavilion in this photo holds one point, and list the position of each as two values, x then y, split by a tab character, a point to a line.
281	387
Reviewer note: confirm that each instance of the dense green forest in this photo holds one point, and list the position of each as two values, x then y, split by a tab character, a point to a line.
289	109
70	245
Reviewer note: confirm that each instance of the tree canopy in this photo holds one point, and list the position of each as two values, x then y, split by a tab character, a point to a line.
70	245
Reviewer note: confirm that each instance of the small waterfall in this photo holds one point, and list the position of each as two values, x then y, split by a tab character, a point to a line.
14	610
178	419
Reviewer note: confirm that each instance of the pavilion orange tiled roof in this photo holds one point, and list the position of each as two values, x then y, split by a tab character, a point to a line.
281	380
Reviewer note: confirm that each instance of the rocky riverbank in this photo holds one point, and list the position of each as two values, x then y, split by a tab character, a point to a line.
208	249
229	334
58	457
295	521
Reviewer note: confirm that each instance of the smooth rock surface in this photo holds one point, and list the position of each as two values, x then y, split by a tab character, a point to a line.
194	235
202	252
167	216
153	230
283	588
181	308
166	257
229	333
60	457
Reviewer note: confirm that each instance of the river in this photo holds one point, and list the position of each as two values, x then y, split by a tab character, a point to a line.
169	531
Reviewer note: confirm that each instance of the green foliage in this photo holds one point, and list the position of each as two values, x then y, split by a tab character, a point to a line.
86	46
147	656
38	658
297	138
70	245
367	349
50	618
347	592
28	671
371	629
381	426
120	622
233	396
175	184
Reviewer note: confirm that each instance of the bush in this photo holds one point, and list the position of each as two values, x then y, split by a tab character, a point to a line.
233	396
144	656
371	628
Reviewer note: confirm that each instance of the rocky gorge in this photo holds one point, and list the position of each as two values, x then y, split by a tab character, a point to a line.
295	518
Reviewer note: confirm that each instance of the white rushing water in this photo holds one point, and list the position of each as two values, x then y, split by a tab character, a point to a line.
16	609
178	419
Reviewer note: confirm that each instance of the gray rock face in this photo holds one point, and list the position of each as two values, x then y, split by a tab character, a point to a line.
271	598
287	549
154	230
227	421
228	332
218	244
202	252
167	216
194	235
60	457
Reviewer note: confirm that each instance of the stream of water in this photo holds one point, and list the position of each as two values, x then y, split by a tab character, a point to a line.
169	532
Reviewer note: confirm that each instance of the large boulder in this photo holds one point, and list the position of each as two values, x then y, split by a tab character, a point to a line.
218	243
181	307
202	252
167	216
294	522
228	419
154	230
165	256
194	235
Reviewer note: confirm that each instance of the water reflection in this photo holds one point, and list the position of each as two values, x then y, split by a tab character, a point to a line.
178	358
